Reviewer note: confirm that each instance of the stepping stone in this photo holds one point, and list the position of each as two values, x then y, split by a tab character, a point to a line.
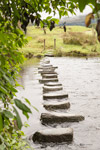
57	105
54	88
49	75
47	65
48	80
50	118
53	135
47	68
55	95
51	84
46	61
47	72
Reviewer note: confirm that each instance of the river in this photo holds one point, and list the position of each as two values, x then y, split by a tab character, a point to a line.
81	80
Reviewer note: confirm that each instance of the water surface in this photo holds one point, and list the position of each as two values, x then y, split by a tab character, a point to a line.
81	80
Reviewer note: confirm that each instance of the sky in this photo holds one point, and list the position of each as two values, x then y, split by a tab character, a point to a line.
86	11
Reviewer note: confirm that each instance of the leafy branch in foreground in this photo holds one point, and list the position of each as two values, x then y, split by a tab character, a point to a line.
13	15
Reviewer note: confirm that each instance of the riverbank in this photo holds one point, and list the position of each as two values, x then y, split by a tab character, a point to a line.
77	41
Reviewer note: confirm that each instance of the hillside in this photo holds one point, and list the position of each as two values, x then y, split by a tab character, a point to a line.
76	21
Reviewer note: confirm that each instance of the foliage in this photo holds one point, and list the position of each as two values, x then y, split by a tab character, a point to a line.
14	15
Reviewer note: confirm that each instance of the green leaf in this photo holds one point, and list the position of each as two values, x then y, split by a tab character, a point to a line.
18	119
1	122
55	20
35	108
8	114
26	114
49	17
22	106
3	90
2	146
27	101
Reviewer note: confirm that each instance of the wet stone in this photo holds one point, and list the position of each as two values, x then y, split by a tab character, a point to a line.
51	84
47	72
54	88
46	61
47	68
47	65
55	95
48	80
50	118
53	135
57	105
49	76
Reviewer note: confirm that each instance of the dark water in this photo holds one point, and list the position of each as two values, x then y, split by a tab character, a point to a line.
81	80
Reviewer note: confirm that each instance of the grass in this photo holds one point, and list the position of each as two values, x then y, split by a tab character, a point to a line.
77	40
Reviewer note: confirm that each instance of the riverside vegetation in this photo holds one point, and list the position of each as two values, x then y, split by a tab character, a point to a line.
77	41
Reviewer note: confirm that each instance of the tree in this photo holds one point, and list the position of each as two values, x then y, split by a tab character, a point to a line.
11	38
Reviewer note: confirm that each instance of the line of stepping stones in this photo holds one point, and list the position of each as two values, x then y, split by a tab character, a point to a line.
53	90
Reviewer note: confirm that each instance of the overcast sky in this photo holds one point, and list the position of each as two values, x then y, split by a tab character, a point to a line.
86	11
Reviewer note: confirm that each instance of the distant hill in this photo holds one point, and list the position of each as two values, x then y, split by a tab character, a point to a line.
71	21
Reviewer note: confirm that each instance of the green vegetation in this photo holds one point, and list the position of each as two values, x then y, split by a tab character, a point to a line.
14	15
77	41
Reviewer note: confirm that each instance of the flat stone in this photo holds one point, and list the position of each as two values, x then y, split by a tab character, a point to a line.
50	118
47	68
49	75
57	105
48	80
54	88
55	95
47	65
46	61
47	72
53	84
55	135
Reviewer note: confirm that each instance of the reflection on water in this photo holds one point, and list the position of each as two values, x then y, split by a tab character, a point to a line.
80	79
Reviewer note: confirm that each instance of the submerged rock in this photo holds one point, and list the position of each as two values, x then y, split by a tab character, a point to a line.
55	95
48	80
53	135
50	118
57	105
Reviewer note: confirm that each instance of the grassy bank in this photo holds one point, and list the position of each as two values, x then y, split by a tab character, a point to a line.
77	41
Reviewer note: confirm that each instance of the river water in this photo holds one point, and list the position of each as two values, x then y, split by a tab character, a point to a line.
81	80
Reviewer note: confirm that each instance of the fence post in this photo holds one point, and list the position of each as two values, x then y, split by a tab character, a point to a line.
44	44
55	44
